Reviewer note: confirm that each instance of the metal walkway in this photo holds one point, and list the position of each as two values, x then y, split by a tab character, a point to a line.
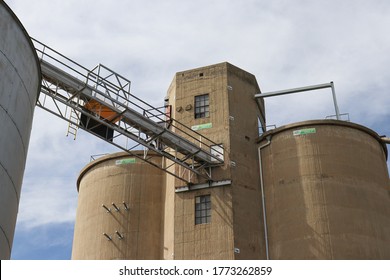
99	101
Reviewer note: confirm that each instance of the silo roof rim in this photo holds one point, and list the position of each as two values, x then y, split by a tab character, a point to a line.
325	122
108	157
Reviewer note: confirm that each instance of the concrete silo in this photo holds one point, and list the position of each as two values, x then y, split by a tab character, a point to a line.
327	191
120	209
20	80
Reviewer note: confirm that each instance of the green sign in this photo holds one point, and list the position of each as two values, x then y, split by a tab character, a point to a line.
125	161
202	126
304	131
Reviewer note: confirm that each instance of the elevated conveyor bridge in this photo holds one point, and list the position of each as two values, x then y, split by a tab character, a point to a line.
99	101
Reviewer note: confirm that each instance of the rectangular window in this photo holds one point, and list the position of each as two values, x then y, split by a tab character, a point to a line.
202	209
202	108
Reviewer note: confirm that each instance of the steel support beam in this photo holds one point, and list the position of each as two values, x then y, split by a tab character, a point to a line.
303	89
194	187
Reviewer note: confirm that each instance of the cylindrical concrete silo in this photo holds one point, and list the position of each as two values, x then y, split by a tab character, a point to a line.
327	191
104	228
20	80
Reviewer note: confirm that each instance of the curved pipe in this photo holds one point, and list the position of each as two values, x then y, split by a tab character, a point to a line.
263	196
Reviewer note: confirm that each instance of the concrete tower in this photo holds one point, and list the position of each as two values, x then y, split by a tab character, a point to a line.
20	80
221	222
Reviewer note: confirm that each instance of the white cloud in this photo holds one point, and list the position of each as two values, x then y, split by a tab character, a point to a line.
48	200
49	194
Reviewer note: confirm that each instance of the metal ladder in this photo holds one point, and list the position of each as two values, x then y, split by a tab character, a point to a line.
103	106
72	128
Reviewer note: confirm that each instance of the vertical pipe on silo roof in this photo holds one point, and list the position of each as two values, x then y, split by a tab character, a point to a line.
336	107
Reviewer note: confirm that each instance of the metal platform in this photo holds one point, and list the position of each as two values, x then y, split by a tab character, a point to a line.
99	101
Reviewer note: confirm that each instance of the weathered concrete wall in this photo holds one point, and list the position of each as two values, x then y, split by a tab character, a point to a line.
19	88
214	240
168	198
233	122
119	178
210	80
247	210
327	192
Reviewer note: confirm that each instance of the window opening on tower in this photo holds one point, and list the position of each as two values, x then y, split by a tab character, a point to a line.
202	209
202	106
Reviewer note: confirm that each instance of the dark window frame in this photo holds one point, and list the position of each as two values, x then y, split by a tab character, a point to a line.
203	209
202	106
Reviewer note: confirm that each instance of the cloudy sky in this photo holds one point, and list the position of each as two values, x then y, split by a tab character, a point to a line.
286	44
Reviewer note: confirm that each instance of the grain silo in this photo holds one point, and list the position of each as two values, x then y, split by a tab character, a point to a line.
19	89
119	213
310	190
326	191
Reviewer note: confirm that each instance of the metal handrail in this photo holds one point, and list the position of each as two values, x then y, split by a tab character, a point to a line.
127	98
